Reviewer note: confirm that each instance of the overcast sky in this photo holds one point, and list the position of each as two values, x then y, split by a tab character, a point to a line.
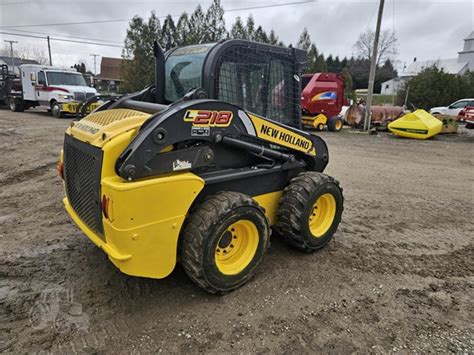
426	29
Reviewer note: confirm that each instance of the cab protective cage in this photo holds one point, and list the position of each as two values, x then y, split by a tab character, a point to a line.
259	78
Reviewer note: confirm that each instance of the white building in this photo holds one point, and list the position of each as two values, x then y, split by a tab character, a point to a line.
459	65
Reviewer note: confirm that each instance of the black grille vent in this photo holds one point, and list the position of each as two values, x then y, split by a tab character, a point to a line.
81	96
82	167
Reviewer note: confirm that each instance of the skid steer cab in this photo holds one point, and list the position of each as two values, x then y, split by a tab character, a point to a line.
204	164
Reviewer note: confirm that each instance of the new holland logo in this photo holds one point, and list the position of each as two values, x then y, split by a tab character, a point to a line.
208	118
86	128
285	137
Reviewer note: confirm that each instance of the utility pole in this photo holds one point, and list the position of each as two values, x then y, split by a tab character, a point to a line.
373	66
95	56
49	51
11	53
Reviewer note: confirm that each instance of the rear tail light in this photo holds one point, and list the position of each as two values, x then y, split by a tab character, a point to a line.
61	169
106	206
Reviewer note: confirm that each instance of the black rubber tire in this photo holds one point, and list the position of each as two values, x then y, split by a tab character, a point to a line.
56	110
15	106
202	231
332	124
469	126
320	127
295	207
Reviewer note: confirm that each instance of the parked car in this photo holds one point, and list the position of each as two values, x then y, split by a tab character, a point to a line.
467	115
453	109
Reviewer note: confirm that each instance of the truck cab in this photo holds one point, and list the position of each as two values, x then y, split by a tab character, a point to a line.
56	89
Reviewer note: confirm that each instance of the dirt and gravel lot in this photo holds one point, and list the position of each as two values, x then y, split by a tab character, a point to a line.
399	275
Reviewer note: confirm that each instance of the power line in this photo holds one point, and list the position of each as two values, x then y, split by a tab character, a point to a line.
161	17
62	40
66	36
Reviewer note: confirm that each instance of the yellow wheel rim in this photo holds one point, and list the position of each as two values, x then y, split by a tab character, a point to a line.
338	125
322	215
236	247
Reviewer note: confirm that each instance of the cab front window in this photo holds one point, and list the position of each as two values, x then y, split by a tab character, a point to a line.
62	78
183	70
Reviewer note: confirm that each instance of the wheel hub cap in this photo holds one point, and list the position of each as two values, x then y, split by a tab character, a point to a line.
322	215
236	247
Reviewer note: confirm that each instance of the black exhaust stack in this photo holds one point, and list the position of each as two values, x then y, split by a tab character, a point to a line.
159	72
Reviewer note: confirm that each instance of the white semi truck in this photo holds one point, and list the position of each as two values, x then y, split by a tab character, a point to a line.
58	90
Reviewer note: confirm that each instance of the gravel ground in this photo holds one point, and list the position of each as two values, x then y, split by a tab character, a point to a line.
398	276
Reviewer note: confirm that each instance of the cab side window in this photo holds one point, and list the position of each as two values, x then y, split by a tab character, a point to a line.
41	78
460	104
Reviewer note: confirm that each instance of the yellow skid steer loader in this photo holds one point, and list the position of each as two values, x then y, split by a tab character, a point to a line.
202	165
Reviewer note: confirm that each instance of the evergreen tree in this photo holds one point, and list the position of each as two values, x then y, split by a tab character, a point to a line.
197	26
81	68
311	67
138	70
384	73
168	34
337	65
260	35
330	63
250	28
348	81
304	42
344	63
321	65
238	31
272	38
183	30
359	69
215	25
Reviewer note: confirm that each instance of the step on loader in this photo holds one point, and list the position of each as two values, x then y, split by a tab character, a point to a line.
202	166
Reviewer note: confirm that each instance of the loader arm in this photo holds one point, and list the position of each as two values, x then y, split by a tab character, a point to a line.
201	133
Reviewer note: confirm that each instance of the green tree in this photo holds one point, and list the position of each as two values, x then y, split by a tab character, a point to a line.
348	92
433	87
250	28
260	35
304	42
311	67
273	38
81	67
321	65
168	33
468	79
238	30
359	69
138	68
215	25
197	26
183	30
330	63
384	73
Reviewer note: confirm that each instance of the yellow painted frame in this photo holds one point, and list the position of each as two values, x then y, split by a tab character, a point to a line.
145	216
